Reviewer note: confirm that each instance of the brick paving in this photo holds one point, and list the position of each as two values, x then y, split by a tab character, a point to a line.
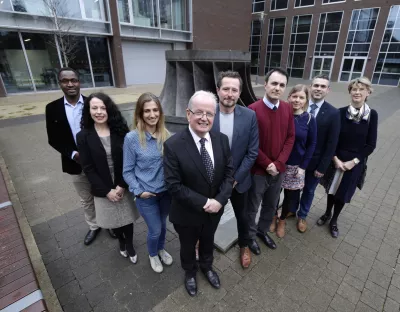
359	271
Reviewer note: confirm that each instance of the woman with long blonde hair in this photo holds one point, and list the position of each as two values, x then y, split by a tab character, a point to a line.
143	171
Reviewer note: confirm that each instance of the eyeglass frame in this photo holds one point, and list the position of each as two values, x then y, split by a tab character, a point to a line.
197	114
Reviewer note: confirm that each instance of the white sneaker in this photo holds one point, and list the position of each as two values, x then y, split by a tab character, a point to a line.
133	259
124	253
166	258
156	264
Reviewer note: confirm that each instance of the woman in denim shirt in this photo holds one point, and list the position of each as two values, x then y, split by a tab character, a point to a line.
144	173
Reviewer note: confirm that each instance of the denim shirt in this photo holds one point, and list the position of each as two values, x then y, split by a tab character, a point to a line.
143	166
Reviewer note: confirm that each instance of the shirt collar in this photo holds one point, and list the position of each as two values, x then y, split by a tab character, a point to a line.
80	101
269	104
319	104
196	138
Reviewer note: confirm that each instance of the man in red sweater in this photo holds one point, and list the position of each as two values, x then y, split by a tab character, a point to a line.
276	139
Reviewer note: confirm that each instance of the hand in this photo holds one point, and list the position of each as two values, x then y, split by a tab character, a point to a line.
212	206
234	184
120	191
349	164
300	173
339	164
146	195
76	157
113	196
271	169
318	174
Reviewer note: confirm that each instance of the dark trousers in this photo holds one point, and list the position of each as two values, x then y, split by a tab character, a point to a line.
188	237
291	200
239	204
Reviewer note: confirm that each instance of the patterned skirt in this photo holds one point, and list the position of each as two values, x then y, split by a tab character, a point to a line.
291	181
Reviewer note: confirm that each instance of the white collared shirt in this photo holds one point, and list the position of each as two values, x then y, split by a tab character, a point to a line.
207	145
269	104
74	116
319	104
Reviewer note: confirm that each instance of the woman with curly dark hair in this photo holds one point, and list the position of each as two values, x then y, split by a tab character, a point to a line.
100	145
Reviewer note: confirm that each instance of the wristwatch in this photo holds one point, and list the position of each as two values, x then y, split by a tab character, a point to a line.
356	161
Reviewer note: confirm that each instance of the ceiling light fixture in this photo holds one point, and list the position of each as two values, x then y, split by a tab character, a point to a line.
26	40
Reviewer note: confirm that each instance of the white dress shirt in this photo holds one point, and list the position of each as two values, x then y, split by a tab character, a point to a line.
207	144
269	104
74	116
319	104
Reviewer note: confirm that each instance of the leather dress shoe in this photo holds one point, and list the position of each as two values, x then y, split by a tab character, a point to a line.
334	230
91	236
213	278
191	285
266	240
245	257
253	246
112	233
325	218
290	215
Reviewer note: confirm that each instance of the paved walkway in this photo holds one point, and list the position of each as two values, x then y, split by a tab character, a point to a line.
359	271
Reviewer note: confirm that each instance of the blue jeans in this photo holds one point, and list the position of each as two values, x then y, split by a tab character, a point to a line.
154	211
310	184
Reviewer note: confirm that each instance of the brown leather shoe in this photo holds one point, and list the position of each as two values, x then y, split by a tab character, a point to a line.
301	225
245	257
272	227
291	215
280	229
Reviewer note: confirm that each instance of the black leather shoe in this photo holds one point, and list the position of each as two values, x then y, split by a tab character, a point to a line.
325	218
266	240
334	230
191	285
112	234
90	236
213	278
253	246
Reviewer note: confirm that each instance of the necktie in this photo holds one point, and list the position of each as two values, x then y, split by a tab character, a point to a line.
205	157
275	108
313	109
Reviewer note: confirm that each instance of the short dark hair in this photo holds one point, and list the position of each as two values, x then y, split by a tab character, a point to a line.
229	74
67	69
322	76
279	70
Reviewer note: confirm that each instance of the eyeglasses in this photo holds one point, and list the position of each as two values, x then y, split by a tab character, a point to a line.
200	114
67	81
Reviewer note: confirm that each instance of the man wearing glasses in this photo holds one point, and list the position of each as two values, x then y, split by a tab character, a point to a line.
63	122
198	172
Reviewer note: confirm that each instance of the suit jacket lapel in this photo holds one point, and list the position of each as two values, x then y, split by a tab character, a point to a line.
216	125
217	148
194	153
94	139
321	113
236	124
62	115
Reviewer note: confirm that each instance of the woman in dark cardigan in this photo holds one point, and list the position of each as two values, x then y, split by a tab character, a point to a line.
100	148
357	140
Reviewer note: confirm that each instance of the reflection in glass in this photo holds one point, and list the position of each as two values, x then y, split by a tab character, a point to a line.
5	5
275	47
100	59
179	14
80	62
123	11
43	60
279	4
93	9
143	13
31	6
165	14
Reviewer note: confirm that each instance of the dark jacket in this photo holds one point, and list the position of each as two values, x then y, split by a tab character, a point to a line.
244	147
187	182
60	136
328	128
94	161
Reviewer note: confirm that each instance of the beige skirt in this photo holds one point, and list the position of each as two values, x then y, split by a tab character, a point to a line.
111	215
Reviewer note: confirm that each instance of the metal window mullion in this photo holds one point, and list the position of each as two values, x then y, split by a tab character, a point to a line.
111	64
58	51
26	61
82	7
131	14
158	15
172	16
90	61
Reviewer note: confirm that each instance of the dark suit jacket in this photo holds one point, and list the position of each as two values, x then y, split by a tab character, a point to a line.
60	136
94	161
244	147
187	182
328	128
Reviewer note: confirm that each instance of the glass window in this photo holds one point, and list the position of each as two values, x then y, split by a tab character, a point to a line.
301	3
43	60
331	1
13	68
258	6
72	9
275	46
100	60
123	11
143	13
179	13
5	5
93	9
79	61
255	40
279	4
31	6
165	14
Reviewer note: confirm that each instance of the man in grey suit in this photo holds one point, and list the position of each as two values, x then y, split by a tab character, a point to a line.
240	125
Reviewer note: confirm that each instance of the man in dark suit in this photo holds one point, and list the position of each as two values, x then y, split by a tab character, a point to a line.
240	125
63	122
328	128
198	171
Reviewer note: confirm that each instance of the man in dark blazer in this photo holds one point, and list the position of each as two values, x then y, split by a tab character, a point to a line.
328	128
198	172
240	125
63	118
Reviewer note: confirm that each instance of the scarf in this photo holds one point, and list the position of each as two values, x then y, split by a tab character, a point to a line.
356	115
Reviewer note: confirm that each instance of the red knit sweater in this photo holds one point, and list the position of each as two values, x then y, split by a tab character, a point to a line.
276	135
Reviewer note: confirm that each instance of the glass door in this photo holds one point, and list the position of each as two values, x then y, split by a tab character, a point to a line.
352	67
322	66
